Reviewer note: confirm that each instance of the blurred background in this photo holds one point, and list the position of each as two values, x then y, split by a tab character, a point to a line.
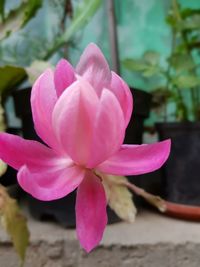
155	47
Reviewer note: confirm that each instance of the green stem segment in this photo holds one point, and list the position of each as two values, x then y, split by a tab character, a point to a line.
169	208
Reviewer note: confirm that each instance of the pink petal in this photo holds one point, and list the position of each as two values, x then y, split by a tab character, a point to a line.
16	152
50	184
63	76
134	160
109	129
73	120
123	94
43	99
91	217
94	68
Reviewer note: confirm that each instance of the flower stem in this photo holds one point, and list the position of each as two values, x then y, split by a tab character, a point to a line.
169	208
154	200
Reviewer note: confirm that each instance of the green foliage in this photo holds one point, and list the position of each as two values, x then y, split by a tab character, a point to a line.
14	223
134	64
152	57
2	4
18	18
180	70
186	81
181	62
148	65
82	15
30	11
11	76
40	48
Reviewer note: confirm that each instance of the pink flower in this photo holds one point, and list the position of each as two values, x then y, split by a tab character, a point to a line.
81	115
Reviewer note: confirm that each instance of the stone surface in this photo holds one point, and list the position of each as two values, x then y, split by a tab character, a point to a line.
152	241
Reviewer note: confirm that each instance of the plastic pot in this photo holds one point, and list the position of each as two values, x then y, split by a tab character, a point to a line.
181	173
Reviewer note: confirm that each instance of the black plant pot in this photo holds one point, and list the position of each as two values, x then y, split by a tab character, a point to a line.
181	174
141	109
62	210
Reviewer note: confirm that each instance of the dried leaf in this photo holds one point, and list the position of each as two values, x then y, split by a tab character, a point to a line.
3	167
119	197
14	223
36	68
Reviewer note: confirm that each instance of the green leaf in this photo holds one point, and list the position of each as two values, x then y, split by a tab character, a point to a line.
152	57
2	5
14	223
152	71
18	17
134	64
192	23
31	10
36	68
186	81
148	65
187	12
119	197
171	21
182	62
82	15
11	76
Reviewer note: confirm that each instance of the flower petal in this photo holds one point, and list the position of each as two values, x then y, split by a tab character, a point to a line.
94	68
16	152
109	129
91	217
63	76
123	94
139	159
43	99
50	184
73	119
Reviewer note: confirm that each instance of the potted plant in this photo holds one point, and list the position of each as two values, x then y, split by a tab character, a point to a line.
177	98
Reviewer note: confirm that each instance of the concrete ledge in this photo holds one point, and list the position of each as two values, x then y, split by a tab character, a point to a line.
153	241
